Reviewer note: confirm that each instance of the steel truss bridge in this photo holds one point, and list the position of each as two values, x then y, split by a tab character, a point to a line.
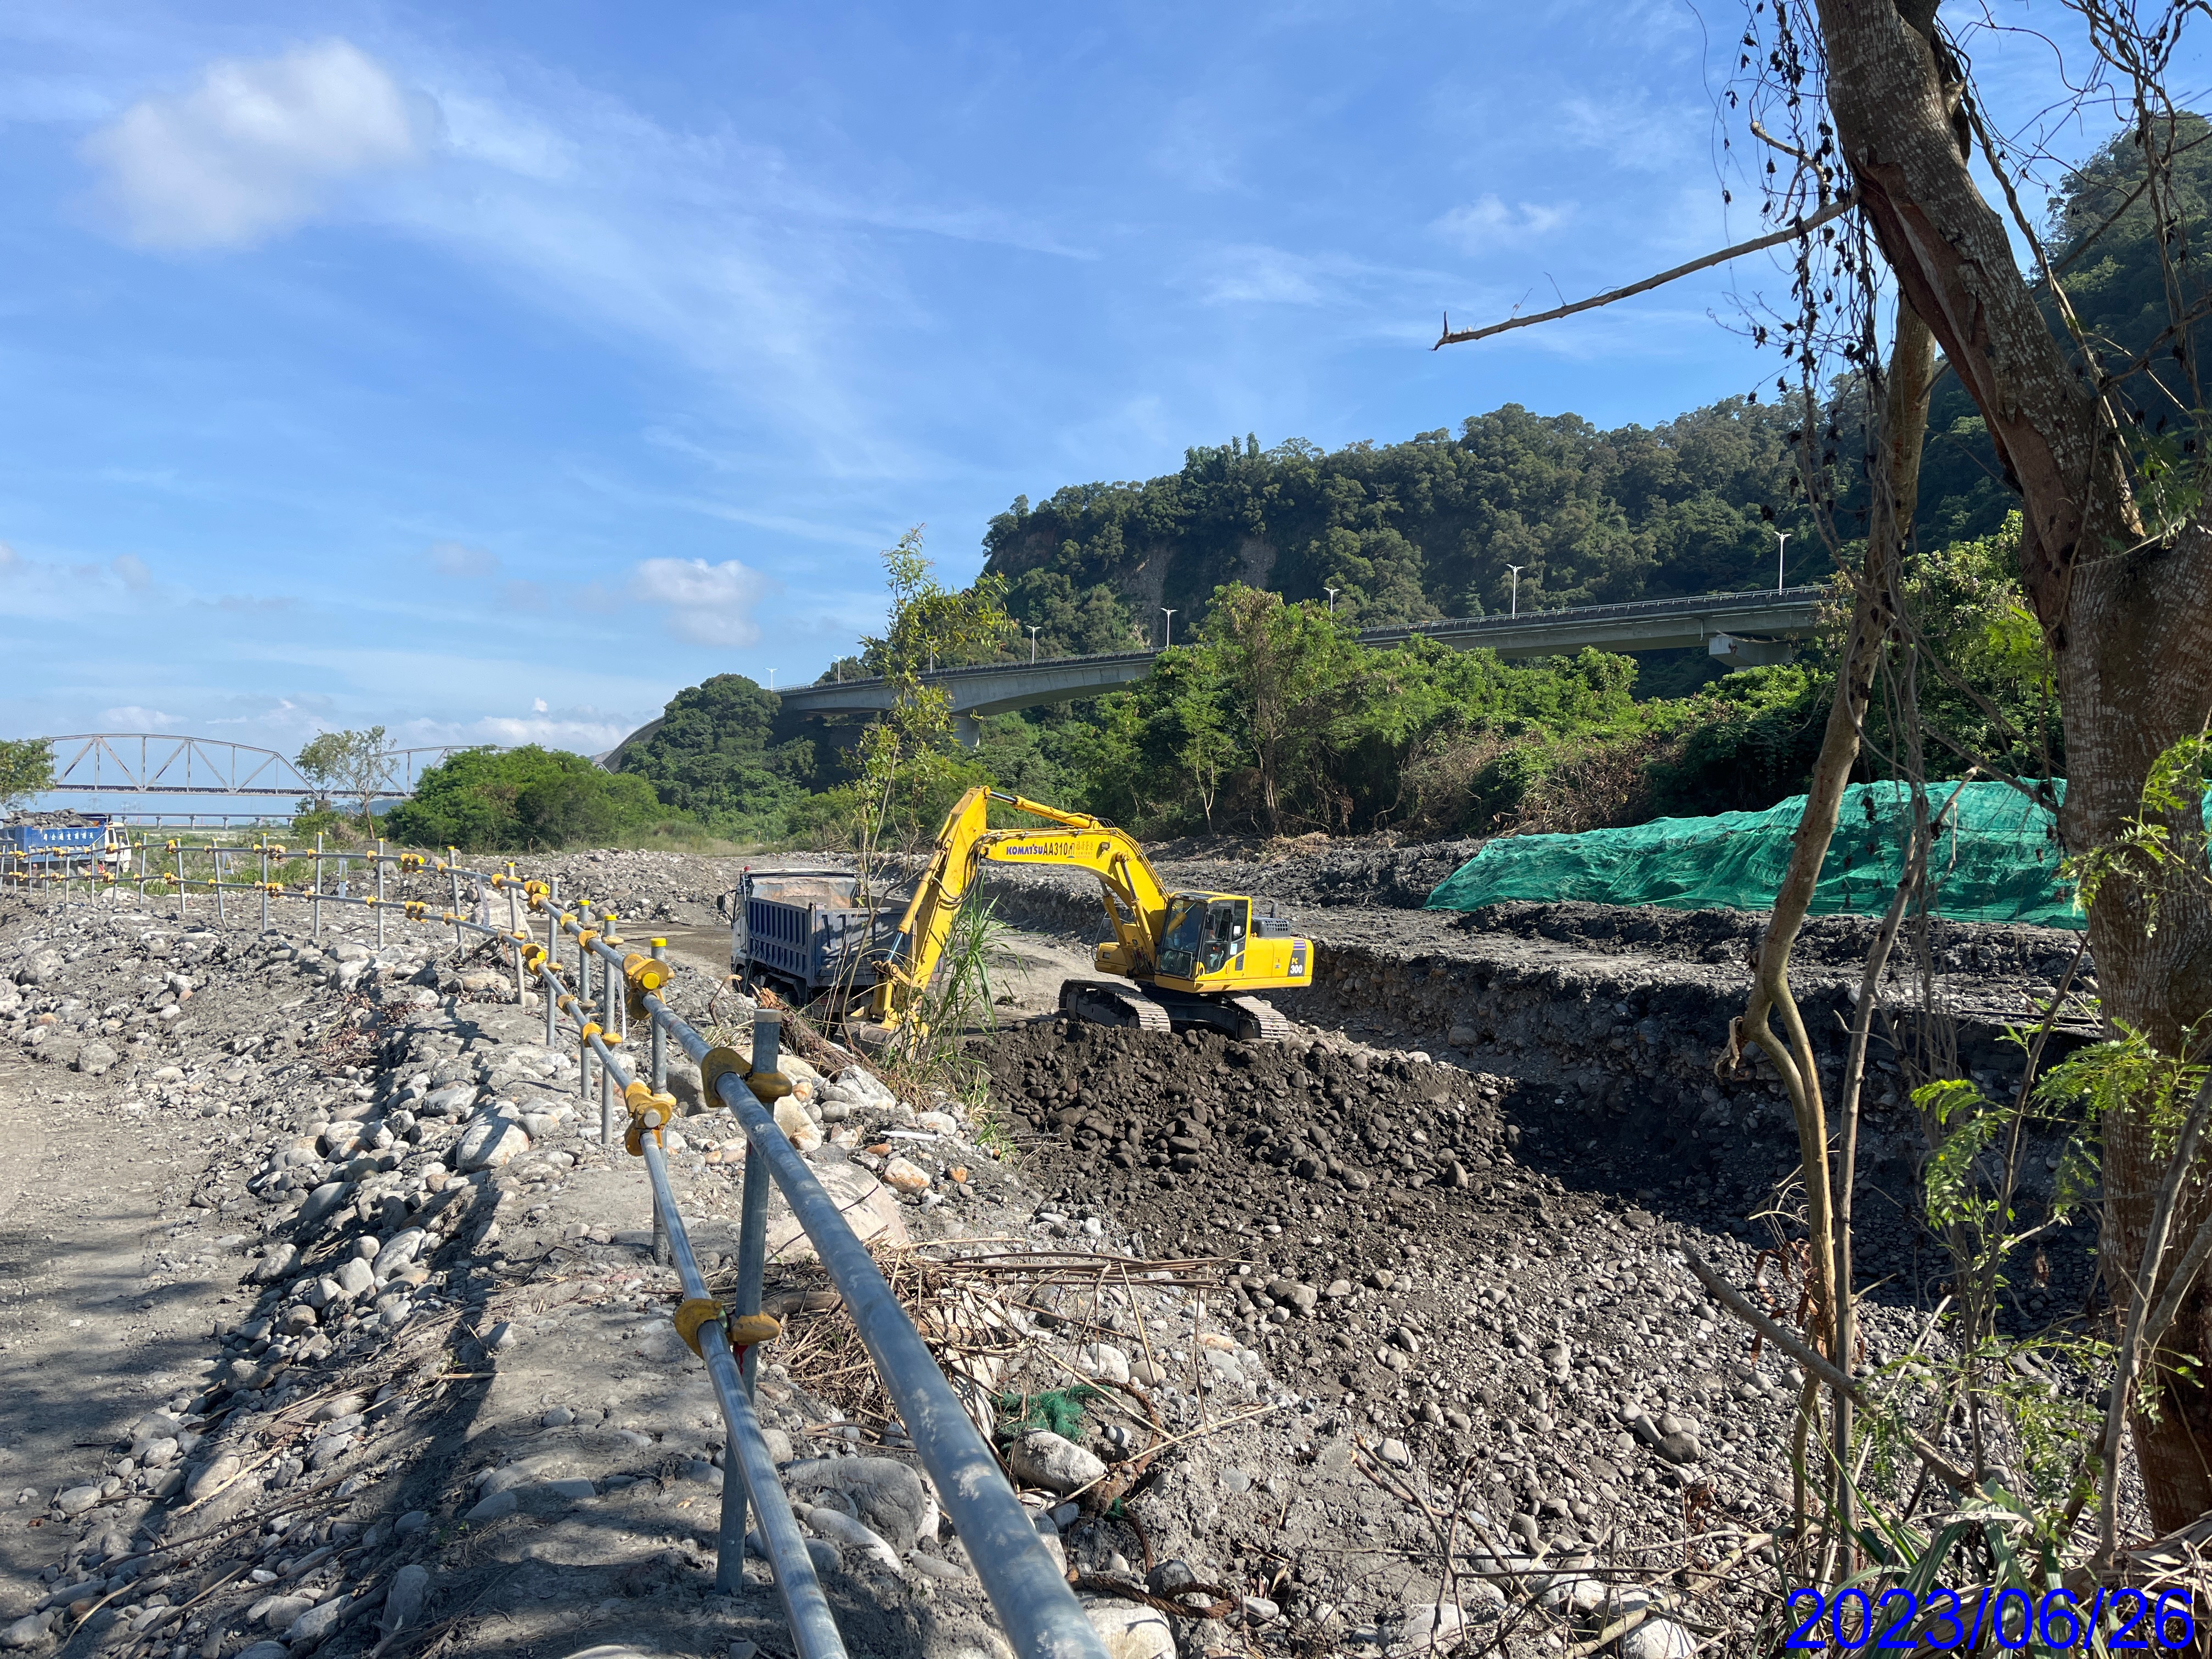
151	763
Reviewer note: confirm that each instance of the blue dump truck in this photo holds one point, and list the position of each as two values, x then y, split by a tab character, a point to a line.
801	932
83	836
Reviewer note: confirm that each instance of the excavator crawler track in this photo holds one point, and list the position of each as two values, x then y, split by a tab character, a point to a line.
1102	1002
1262	1023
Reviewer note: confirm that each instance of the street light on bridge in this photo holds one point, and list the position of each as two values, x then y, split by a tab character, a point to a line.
1170	640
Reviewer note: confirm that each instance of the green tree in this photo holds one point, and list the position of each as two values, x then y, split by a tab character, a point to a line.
336	763
931	626
711	755
1287	676
1378	574
910	765
1069	623
27	767
1998	702
529	798
1419	529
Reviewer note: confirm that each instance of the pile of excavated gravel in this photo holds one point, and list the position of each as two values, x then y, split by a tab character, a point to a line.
1474	1268
1617	1003
1372	872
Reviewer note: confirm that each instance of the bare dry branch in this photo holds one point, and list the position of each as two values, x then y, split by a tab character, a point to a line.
1796	228
1803	158
1942	1467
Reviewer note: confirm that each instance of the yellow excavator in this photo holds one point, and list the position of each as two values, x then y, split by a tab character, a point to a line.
1194	956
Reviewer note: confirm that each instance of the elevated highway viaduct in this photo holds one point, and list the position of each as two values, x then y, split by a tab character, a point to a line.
1745	629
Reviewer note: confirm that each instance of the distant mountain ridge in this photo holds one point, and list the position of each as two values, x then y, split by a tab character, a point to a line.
1426	528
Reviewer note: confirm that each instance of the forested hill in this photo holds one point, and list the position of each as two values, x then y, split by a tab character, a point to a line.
1428	527
1420	529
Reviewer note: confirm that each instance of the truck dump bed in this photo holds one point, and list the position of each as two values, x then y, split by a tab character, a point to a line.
803	929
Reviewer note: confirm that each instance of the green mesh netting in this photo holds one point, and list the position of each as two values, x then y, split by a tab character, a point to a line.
1998	861
1059	1410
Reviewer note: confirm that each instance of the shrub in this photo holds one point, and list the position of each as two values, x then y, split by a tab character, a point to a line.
529	798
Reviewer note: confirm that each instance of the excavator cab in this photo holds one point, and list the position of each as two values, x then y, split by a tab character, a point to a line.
1183	937
1204	936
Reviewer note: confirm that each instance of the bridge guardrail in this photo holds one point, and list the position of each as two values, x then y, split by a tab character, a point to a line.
1036	1606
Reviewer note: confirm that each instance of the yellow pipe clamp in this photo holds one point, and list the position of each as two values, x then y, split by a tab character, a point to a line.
642	974
744	1330
647	1110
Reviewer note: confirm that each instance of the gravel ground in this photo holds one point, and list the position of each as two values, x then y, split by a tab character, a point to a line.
410	1340
1429	1269
414	1387
1457	1257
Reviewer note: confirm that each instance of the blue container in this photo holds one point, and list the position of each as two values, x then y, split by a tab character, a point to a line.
42	843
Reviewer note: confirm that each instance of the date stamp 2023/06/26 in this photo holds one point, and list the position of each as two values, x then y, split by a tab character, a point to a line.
2121	1620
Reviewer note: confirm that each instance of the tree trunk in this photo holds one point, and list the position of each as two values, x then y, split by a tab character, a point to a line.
2129	625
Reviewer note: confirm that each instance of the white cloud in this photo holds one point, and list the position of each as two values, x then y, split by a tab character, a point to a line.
36	587
279	720
1260	276
256	146
580	735
1634	133
515	141
136	717
1487	223
460	561
584	729
707	603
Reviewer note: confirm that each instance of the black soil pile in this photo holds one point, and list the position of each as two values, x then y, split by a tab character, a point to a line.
1369	871
1480	1265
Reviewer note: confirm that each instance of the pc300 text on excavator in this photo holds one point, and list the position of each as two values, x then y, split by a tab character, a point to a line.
1193	958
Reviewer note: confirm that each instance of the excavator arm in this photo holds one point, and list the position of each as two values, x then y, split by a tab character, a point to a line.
1135	903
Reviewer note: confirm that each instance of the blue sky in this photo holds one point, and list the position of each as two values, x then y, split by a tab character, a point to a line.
491	373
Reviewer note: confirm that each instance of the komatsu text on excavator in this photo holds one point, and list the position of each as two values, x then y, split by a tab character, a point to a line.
1194	958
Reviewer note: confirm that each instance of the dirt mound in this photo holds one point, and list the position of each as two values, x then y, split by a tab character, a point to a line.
1732	937
1365	870
1482	1266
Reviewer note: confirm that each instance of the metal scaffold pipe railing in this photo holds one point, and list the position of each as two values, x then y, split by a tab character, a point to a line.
1034	1602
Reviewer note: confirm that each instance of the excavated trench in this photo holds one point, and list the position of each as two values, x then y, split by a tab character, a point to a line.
1596	1030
